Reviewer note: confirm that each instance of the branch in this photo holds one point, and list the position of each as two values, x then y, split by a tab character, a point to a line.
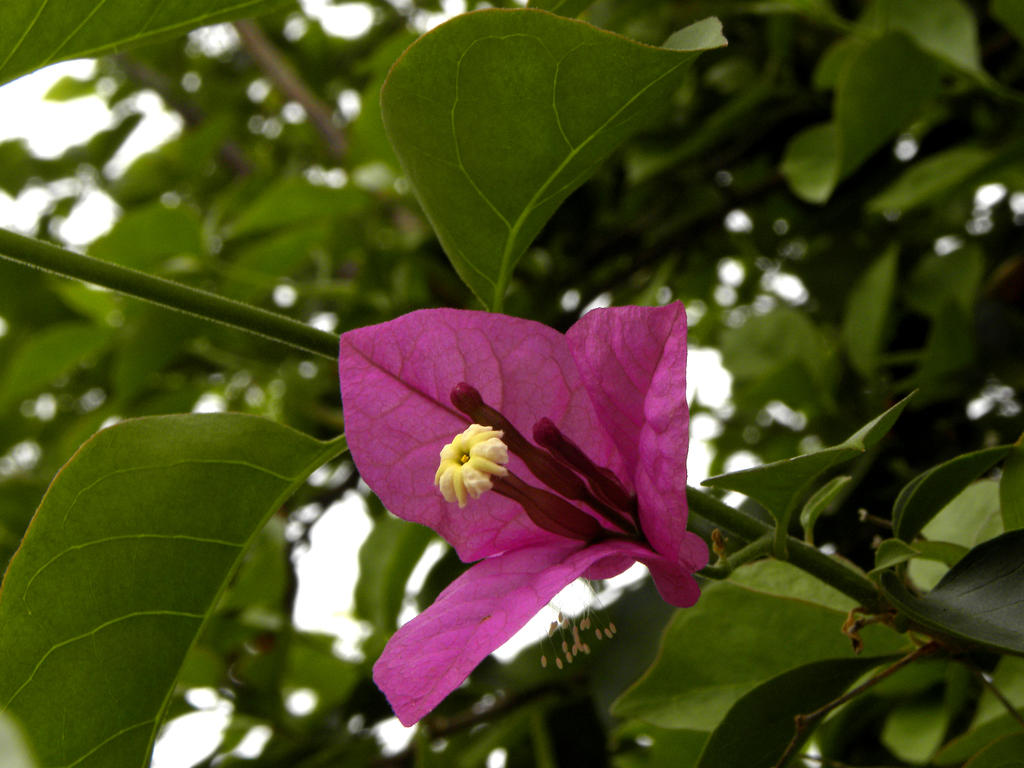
834	572
167	293
282	74
803	722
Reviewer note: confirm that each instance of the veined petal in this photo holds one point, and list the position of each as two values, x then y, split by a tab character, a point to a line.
633	363
396	381
427	658
675	582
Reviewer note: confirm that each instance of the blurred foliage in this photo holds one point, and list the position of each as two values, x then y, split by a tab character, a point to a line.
837	197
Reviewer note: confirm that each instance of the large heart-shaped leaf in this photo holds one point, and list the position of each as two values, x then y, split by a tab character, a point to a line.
123	562
34	34
978	601
497	115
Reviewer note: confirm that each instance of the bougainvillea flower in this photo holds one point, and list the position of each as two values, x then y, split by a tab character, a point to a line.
438	405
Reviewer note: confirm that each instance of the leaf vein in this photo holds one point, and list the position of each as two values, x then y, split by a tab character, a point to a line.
28	29
168	465
540	194
109	739
455	136
91	633
56	51
109	539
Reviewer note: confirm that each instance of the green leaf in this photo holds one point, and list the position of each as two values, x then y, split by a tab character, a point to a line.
47	355
150	339
68	88
879	90
938	281
892	552
668	748
1011	488
386	560
1010	13
819	502
978	601
497	115
832	62
126	557
867	310
811	163
930	177
781	355
966	745
941	551
312	664
991	720
35	34
946	29
690	686
878	94
569	8
778	485
950	350
1008	752
146	237
922	498
759	726
261	262
291	201
966	521
1008	679
914	730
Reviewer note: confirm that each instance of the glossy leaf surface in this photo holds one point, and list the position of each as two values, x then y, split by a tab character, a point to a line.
498	115
978	601
123	562
689	687
35	34
923	497
759	726
1011	488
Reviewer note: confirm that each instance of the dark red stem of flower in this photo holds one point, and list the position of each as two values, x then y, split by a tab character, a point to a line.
551	471
602	481
548	510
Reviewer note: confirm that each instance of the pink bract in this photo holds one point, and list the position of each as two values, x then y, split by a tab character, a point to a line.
614	385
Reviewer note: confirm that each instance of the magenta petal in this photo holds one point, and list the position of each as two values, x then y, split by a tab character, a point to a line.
676	585
633	363
430	656
396	381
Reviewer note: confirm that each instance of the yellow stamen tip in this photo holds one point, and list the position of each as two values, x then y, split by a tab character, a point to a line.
469	461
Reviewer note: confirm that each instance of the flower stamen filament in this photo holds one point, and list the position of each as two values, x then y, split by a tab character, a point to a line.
559	468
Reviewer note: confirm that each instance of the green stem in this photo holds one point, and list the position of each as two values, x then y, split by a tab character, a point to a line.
166	293
752	551
830	570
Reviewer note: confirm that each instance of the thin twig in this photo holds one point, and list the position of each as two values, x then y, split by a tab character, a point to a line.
804	722
867	517
282	74
1007	704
